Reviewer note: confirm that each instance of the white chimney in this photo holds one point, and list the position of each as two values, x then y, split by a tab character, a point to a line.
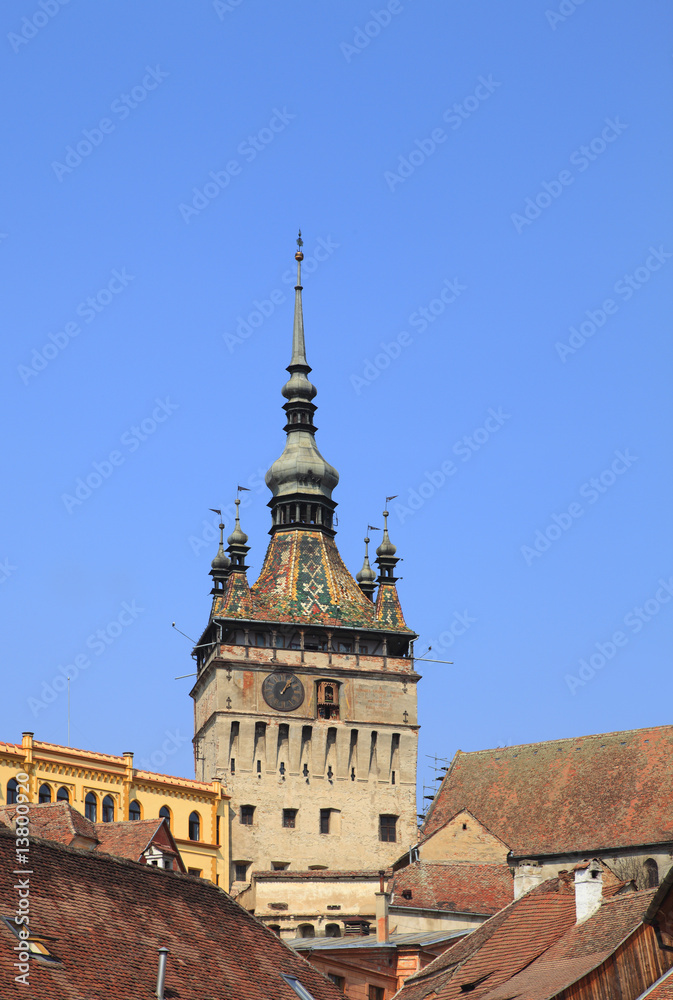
528	874
588	889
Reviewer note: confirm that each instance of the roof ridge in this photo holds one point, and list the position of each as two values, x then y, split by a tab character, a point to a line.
565	739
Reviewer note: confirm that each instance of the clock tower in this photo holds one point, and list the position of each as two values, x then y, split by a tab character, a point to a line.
305	698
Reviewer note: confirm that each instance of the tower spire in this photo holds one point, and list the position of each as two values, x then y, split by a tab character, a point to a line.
301	481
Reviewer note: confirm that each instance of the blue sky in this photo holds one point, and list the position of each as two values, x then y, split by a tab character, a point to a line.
484	193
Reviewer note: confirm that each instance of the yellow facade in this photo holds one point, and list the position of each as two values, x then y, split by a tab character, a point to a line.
84	772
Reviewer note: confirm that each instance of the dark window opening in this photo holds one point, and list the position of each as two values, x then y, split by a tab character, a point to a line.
338	981
241	872
306	930
44	794
12	791
63	795
165	813
376	993
275	928
388	828
91	807
194	871
194	826
392	778
332	930
134	810
233	765
324	820
651	869
247	815
108	809
289	818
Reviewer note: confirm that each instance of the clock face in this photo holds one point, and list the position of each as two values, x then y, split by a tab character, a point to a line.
283	691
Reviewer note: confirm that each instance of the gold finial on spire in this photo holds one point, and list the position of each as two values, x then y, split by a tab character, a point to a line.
299	256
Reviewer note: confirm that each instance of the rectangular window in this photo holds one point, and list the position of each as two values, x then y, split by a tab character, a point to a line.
324	820
376	993
194	871
280	866
338	981
247	814
241	871
387	828
289	818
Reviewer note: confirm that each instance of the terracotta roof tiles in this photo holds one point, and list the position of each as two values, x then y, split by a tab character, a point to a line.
105	919
458	887
562	796
532	948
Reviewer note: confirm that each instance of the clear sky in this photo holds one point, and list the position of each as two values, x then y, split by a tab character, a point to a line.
484	193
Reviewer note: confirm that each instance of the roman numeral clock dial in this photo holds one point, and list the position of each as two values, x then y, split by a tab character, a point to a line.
283	691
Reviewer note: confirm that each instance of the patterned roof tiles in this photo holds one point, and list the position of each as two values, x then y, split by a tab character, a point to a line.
565	796
304	580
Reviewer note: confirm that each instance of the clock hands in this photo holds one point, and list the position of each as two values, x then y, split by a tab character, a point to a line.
286	686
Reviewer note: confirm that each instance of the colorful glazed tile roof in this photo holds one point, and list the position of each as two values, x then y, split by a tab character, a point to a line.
304	580
565	796
458	886
533	949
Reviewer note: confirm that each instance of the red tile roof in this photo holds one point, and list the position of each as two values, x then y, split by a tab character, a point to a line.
328	874
532	949
57	821
662	989
459	887
106	918
562	796
131	838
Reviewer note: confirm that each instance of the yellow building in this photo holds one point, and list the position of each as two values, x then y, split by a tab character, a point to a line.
106	788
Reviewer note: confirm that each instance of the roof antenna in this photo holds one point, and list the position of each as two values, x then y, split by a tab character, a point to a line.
161	972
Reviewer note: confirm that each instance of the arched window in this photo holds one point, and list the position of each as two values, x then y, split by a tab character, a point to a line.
91	807
165	813
651	869
108	809
275	928
12	791
44	794
194	826
332	930
63	795
306	931
134	810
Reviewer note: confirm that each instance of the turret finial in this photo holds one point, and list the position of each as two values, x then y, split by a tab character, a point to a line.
386	558
237	540
367	577
220	566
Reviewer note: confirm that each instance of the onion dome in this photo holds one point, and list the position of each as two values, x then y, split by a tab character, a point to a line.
385	555
219	567
236	544
366	578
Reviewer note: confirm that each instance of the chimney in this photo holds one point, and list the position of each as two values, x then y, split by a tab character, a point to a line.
588	889
161	972
128	764
382	898
27	745
527	875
